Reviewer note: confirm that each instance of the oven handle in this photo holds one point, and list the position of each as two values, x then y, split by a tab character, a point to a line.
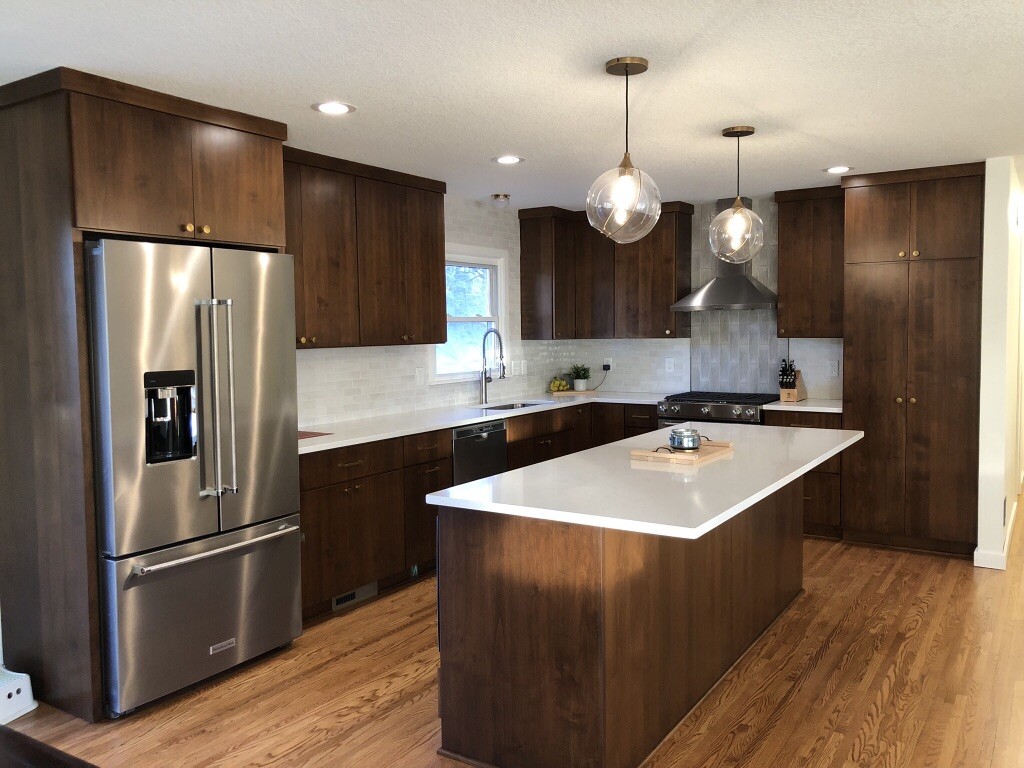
145	570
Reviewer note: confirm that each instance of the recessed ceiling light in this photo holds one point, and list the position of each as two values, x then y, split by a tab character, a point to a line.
837	169
508	159
334	108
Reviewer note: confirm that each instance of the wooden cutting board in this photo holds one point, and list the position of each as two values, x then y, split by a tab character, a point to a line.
709	451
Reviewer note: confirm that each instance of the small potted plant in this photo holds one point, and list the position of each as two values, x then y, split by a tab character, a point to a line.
580	377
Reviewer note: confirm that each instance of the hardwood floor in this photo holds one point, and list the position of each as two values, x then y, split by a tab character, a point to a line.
887	659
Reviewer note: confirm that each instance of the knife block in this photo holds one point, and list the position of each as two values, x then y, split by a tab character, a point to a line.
797	393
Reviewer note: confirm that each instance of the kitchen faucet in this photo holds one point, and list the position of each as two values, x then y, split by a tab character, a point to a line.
485	377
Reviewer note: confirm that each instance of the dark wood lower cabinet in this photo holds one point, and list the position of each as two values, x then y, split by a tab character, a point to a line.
523	453
822	504
607	422
420	517
581	422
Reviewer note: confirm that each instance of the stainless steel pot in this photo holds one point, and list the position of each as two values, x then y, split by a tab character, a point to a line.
685	439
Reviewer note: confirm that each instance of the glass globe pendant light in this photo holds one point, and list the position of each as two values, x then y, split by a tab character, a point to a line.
624	203
737	233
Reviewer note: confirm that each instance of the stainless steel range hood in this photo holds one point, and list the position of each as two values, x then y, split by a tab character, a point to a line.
731	288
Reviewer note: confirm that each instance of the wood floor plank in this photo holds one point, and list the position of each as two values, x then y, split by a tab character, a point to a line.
887	659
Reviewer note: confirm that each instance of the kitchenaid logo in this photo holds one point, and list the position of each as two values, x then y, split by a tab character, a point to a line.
222	646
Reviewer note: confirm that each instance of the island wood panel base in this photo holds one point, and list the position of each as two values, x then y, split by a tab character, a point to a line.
567	646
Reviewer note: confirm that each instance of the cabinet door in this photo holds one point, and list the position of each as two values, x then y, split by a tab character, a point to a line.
238	181
595	283
330	270
563	260
293	242
812	420
607	420
536	278
521	453
364	538
638	419
946	215
811	268
582	429
552	446
400	232
942	411
875	375
132	168
420	517
821	503
877	223
314	507
645	284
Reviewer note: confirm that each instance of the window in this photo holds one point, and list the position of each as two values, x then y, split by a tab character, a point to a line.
472	295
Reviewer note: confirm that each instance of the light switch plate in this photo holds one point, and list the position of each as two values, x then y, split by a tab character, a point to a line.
833	368
670	365
420	376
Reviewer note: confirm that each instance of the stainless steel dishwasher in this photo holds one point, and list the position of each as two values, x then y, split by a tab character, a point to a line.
479	451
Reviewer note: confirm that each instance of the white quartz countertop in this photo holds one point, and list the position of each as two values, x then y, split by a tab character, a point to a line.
809	405
345	433
603	487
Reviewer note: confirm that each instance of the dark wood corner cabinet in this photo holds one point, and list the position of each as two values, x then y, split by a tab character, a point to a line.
83	154
578	284
912	356
810	263
369	253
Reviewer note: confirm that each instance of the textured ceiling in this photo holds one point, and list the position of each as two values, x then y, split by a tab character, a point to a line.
441	87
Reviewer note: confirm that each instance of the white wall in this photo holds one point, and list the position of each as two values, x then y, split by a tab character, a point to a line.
1000	439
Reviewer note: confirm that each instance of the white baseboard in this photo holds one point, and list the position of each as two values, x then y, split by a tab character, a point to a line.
997	560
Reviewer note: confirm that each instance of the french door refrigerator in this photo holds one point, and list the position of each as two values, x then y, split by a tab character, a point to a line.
195	434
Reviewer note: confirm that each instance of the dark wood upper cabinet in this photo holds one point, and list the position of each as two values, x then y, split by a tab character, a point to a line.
946	216
925	213
369	247
810	263
400	231
942	389
149	172
548	273
651	275
595	282
238	185
327	280
132	168
874	397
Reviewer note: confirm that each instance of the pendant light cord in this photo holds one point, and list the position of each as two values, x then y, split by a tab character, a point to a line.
737	166
627	109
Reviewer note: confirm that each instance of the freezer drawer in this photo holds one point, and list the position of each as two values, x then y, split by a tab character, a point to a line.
179	615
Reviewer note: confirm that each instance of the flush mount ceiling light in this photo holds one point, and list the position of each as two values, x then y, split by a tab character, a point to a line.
838	169
334	108
737	233
624	203
500	200
508	159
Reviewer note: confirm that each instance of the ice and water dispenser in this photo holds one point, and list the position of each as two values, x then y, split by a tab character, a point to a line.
171	424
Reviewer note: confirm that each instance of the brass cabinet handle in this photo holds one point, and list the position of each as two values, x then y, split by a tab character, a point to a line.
668	332
638	416
302	339
357	486
808	498
427	447
205	229
915	253
412	337
903	254
781	331
544	442
405	337
312	339
913	400
350	464
899	400
431	470
190	227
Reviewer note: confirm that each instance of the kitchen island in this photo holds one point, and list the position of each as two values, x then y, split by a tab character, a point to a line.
587	603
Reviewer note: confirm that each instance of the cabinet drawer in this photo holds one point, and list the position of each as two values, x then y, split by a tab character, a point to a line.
428	446
812	420
338	465
642	417
524	453
821	501
537	424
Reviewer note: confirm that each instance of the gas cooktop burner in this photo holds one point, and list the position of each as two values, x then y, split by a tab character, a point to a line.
730	398
713	406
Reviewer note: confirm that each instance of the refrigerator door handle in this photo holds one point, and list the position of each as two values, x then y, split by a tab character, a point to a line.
145	570
218	485
233	488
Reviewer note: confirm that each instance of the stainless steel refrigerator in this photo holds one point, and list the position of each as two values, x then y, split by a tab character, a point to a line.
197	481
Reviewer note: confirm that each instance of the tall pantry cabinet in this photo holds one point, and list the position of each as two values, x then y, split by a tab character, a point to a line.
912	356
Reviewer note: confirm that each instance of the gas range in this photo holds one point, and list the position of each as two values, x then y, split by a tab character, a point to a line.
713	406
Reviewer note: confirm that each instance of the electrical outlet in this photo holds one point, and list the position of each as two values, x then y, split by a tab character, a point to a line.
670	365
513	368
524	368
420	378
608	362
833	368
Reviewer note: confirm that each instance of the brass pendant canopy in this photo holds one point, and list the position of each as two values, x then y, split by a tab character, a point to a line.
626	65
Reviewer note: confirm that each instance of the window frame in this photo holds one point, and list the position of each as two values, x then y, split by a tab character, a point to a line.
493	258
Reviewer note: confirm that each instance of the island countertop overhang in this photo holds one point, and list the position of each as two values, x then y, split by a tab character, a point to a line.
602	487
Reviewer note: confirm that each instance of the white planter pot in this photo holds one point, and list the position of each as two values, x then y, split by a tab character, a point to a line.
580	385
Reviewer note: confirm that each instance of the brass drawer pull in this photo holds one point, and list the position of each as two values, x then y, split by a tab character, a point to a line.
427	447
807	426
431	470
350	464
544	442
808	498
638	416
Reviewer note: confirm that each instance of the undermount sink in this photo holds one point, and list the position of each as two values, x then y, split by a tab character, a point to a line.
514	406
